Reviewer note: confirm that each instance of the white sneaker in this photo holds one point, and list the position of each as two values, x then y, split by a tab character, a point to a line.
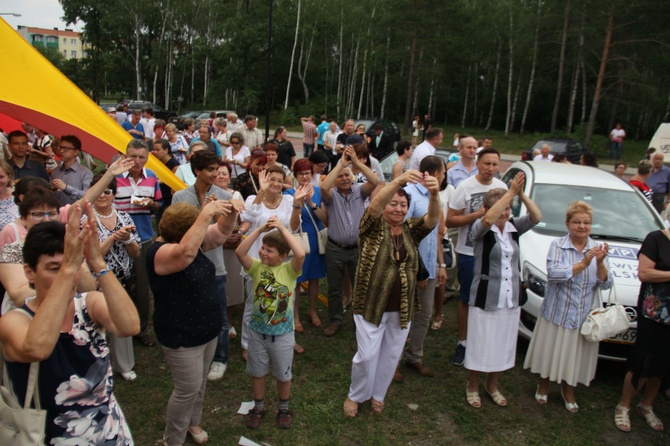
216	371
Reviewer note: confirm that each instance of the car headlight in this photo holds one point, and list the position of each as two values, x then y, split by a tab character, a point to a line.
536	280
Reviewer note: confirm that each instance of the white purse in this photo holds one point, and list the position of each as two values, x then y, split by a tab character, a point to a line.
321	236
604	322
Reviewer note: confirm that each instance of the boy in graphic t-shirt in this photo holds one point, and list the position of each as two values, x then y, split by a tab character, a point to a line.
271	335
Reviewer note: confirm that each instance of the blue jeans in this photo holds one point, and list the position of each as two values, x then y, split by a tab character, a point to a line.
466	267
307	150
221	352
615	150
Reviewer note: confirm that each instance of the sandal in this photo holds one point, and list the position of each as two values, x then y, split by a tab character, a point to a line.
570	407
199	438
473	398
652	420
497	397
377	406
622	418
350	408
541	399
436	325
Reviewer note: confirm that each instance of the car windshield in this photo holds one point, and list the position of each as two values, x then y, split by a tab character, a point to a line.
556	146
617	214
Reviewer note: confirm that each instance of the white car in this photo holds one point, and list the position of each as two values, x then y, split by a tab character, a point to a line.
622	217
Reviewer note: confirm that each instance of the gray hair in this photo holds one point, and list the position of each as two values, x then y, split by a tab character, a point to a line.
492	196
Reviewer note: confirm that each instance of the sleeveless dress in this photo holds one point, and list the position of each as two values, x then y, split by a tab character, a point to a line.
75	386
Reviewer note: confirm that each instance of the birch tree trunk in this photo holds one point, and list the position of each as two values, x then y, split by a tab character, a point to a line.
531	80
517	90
584	91
561	66
508	118
495	88
467	94
599	82
290	70
410	79
386	72
339	69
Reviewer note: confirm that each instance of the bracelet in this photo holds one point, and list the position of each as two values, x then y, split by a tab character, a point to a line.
128	242
442	265
102	272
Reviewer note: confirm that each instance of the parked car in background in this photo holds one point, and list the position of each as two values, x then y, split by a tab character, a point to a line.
205	114
159	113
622	218
179	120
389	160
390	128
564	146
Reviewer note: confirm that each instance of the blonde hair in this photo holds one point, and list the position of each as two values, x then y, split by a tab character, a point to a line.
577	207
170	126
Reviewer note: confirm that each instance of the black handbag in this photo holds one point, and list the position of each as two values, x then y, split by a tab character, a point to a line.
422	274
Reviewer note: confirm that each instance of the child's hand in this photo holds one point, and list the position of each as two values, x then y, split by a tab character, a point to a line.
274	223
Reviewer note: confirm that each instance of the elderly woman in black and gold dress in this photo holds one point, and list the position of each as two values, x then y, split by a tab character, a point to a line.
383	302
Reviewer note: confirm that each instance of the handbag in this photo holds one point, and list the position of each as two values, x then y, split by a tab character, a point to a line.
303	239
321	236
656	303
22	425
604	322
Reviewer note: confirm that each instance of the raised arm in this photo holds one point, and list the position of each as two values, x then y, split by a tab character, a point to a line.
495	211
387	192
432	217
118	167
218	233
175	257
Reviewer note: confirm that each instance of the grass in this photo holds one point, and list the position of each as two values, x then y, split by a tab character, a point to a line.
321	378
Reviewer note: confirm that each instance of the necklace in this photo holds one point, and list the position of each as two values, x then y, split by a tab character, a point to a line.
274	203
103	216
397	244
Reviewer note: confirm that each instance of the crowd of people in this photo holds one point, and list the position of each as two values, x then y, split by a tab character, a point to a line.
253	226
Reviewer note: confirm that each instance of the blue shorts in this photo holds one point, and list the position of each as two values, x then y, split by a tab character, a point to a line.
466	267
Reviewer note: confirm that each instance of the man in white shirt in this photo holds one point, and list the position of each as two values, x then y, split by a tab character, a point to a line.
544	154
148	122
427	147
330	140
464	208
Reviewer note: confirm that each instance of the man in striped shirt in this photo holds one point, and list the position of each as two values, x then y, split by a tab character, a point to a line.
138	193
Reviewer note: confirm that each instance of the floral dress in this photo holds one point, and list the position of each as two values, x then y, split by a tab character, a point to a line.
117	257
75	386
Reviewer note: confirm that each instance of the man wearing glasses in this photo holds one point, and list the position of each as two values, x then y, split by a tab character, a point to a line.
70	180
22	166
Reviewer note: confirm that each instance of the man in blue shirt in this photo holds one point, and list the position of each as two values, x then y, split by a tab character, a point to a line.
659	182
432	258
321	130
134	127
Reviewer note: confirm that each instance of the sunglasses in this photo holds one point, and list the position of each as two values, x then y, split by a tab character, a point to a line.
108	192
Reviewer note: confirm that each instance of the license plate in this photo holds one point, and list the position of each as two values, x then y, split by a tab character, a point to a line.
626	337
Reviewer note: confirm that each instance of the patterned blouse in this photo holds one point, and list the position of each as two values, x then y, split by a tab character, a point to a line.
117	257
8	211
377	272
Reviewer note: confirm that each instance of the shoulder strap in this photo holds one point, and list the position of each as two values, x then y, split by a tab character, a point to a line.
31	388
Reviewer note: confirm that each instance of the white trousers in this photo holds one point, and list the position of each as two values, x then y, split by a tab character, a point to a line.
248	309
379	350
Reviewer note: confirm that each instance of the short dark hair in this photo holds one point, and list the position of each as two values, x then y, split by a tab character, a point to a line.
275	239
112	184
433	132
318	157
489	151
402	146
403	193
165	145
276	169
72	139
643	167
15	134
248	118
46	238
37	196
148	110
431	164
28	183
271	147
202	159
378	126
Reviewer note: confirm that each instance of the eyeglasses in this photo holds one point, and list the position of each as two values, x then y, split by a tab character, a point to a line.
107	192
40	216
66	148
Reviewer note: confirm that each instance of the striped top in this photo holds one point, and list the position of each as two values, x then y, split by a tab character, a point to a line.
568	299
147	187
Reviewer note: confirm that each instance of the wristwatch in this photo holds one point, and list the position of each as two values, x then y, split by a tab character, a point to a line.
442	265
313	206
101	273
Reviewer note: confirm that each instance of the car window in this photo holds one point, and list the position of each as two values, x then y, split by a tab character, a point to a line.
387	165
608	208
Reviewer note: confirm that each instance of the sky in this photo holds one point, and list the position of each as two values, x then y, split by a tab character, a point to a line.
37	13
